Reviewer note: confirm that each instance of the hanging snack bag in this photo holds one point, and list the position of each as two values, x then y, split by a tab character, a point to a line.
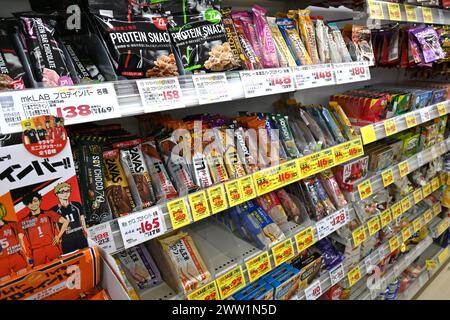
428	40
269	53
306	27
12	73
323	45
292	38
340	43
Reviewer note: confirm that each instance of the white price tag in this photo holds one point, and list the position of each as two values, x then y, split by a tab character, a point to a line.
102	235
332	223
268	81
420	159
211	88
314	291
314	76
425	115
160	94
351	72
76	104
141	226
337	274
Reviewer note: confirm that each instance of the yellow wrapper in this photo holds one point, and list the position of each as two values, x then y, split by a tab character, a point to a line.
309	35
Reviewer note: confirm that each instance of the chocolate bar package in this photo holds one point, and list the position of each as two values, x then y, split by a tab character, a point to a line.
12	73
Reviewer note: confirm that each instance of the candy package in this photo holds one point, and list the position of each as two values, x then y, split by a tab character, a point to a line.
428	40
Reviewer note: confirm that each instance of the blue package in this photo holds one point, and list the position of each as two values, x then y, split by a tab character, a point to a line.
286	286
264	292
330	256
240	295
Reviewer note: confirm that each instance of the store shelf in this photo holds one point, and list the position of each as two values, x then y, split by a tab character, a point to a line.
414	287
123	98
377	131
383	10
414	162
438	226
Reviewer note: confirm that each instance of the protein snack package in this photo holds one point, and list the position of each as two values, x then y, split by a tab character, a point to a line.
117	189
295	44
252	60
46	53
139	47
284	54
306	26
201	42
269	52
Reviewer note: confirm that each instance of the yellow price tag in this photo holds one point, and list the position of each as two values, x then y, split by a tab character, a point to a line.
396	210
435	184
442	109
406	234
247	188
283	252
387	177
390	127
178	213
443	256
316	162
431	265
365	189
305	239
418	196
428	216
442	227
394	11
231	282
437	208
368	134
359	236
276	177
443	178
258	266
234	194
347	151
411	14
386	217
426	189
208	292
374	225
417	224
354	276
406	204
376	10
403	168
217	198
427	15
199	205
394	243
411	121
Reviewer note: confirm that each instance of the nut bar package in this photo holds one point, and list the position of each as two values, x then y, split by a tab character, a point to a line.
185	262
251	60
233	37
140	47
362	37
140	267
201	42
216	163
117	190
46	53
136	171
249	28
331	186
269	53
12	73
200	168
272	206
284	54
306	26
295	44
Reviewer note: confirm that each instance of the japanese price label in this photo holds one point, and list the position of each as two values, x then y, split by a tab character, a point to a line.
437	208
102	235
418	196
234	193
368	134
76	104
211	88
442	227
406	204
258	266
199	205
160	94
337	274
376	10
331	223
314	76
426	189
314	291
435	184
387	177
390	127
276	177
394	11
316	162
443	178
386	217
359	236
208	292
348	151
394	243
247	188
178	212
442	109
351	72
430	265
365	189
443	256
354	276
425	115
141	226
406	234
411	14
417	224
283	252
427	15
231	282
396	210
374	225
268	81
428	216
304	239
411	121
403	168
217	198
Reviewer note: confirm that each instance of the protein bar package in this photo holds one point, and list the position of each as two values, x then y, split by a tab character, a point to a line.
269	53
12	72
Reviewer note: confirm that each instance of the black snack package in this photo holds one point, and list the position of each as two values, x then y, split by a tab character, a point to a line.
12	73
139	47
46	53
201	42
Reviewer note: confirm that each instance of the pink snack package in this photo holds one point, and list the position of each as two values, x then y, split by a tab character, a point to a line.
269	52
272	206
249	30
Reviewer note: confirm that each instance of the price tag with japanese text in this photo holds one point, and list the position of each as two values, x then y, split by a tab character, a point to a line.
365	189
351	72
274	178
217	198
211	88
386	217
442	227
406	204
437	208
316	163
435	184
425	115
368	134
337	274
442	109
426	189
103	236
314	291
234	193
231	282
304	239
258	266
418	196
208	292
428	216
417	224
396	210
141	226
359	236
354	276
443	256
427	15
247	188
430	265
178	213
374	225
388	177
283	252
411	120
331	223
394	11
394	243
314	76
411	14
406	234
376	10
267	81
390	127
403	168
160	94
199	205
347	151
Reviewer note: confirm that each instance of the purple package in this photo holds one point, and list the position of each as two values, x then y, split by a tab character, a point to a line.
269	52
149	264
428	40
47	56
330	256
249	30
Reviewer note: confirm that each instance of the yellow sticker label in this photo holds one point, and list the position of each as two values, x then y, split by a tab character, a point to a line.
443	178
403	168
178	213
430	265
394	243
231	282
426	189
406	234
428	216
406	204
247	188
427	15
386	217
411	14
276	177
442	109
365	189
442	227
418	196
208	292
359	236
411	121
390	127
376	10
199	205
347	151
368	133
217	198
304	239
316	162
396	209
283	252
387	177
394	11
443	256
437	208
258	266
417	224
234	194
354	276
374	225
435	184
